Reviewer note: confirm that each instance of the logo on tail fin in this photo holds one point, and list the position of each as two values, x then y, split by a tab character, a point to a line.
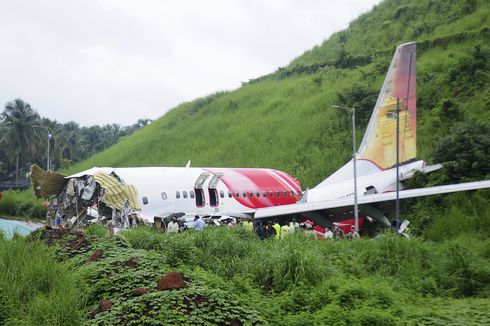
379	142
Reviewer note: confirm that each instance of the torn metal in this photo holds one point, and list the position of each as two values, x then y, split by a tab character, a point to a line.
94	196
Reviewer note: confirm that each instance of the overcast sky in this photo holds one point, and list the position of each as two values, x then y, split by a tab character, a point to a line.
116	61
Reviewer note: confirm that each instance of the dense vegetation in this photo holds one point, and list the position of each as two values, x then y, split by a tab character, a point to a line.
24	141
233	276
284	120
22	204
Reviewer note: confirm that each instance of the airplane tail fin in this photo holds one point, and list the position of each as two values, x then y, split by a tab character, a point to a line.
378	147
379	142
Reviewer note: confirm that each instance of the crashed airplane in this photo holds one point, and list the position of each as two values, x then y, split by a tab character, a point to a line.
122	195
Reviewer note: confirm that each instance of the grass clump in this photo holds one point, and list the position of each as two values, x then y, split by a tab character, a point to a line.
22	204
35	289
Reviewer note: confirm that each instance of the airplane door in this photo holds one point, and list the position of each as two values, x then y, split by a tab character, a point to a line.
200	199
213	192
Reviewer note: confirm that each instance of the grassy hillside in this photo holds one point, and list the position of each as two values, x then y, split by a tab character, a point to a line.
284	120
233	278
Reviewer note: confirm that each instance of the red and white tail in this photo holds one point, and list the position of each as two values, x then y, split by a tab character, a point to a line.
378	148
379	142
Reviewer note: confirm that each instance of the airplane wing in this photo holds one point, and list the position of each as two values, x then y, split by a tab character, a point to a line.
367	199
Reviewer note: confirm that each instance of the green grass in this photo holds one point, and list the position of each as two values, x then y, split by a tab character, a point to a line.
296	281
22	204
34	288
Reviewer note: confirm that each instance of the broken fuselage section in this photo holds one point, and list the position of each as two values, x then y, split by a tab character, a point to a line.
85	198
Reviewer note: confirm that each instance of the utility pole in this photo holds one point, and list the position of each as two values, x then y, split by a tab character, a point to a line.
397	163
395	114
354	159
48	165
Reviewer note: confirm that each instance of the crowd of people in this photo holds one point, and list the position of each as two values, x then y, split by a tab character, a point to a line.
270	229
274	230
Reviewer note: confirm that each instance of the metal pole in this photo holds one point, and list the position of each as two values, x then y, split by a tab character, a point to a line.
354	159
47	163
397	163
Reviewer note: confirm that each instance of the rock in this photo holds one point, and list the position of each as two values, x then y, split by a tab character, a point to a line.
172	280
139	292
96	255
105	305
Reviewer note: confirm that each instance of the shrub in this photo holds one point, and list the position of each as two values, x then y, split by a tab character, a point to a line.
97	230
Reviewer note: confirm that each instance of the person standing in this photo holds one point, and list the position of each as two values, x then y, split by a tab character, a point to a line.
260	230
328	234
284	231
269	230
198	223
248	225
337	232
293	226
277	227
173	226
353	234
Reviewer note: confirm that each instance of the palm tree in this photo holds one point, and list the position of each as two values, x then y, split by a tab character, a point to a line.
20	126
71	130
91	141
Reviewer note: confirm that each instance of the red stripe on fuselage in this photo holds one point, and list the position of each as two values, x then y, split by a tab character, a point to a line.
242	180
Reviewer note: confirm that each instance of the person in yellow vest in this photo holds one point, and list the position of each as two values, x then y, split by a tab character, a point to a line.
248	225
277	227
284	231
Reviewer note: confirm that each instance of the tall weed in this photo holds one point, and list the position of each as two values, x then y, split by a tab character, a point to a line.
36	290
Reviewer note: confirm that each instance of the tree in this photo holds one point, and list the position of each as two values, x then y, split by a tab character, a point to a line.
20	132
465	152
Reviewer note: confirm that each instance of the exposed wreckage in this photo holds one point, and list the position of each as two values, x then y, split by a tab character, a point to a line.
101	197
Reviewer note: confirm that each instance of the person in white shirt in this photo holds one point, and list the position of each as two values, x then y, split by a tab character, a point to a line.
353	234
173	226
328	234
293	227
198	223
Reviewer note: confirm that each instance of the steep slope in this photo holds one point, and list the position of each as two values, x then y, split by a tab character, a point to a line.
284	120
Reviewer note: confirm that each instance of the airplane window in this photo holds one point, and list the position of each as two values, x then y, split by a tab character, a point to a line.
292	193
230	194
177	194
164	195
286	194
271	194
264	194
145	200
184	193
257	194
251	194
237	194
278	194
222	194
192	194
244	194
